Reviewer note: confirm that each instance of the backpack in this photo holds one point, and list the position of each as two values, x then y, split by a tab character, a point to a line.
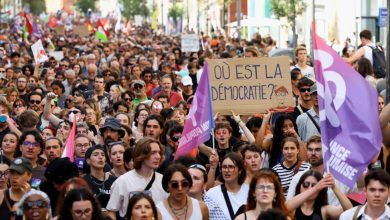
379	62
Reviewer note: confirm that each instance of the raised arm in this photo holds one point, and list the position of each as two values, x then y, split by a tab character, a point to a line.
334	212
299	199
260	137
241	124
47	114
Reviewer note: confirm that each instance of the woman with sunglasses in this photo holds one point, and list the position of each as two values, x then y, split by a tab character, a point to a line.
141	206
311	198
233	191
265	193
19	107
177	182
35	205
80	204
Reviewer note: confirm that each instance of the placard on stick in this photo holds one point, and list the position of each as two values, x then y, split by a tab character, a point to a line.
81	30
251	85
189	43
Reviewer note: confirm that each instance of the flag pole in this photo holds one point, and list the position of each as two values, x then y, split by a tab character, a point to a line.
212	136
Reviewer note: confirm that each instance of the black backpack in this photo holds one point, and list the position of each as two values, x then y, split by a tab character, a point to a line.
379	62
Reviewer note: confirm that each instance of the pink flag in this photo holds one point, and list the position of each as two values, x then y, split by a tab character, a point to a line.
200	122
69	144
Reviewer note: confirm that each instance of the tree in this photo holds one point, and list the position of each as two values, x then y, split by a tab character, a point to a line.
176	12
36	6
289	9
134	7
84	5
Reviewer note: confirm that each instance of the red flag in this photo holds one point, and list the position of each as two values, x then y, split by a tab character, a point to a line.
52	21
28	25
100	24
89	26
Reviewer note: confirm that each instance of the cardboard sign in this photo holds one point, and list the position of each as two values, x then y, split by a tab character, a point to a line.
81	30
58	55
190	43
251	85
39	52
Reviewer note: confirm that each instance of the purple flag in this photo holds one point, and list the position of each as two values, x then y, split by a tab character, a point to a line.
200	120
349	121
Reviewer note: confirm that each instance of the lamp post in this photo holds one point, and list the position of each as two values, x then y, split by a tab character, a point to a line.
239	19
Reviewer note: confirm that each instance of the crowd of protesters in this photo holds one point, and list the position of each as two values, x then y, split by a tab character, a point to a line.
130	98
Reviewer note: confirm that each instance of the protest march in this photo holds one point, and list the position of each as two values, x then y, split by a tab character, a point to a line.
100	121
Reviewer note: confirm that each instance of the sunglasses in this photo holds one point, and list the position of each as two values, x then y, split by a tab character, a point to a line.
79	212
128	100
137	86
38	203
78	94
307	184
304	90
176	185
18	106
145	192
74	111
2	71
199	167
35	102
175	138
107	74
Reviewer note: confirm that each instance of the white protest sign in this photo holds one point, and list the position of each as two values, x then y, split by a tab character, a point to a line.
58	55
190	43
40	55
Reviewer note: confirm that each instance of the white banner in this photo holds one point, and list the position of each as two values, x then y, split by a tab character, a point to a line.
40	55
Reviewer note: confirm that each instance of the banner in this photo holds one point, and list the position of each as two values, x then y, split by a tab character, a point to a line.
251	85
39	52
349	121
200	122
190	43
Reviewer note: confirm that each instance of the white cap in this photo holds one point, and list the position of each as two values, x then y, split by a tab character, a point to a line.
186	80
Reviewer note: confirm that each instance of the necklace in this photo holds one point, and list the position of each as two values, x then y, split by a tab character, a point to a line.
181	211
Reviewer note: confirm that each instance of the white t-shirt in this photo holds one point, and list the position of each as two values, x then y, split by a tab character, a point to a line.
332	199
131	182
347	215
308	71
236	199
368	52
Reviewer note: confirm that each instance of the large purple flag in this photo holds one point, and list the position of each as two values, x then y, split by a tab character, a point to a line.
199	121
349	120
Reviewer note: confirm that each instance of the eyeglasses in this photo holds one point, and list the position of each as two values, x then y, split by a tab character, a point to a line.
35	101
199	167
265	188
145	192
31	144
175	138
307	184
228	167
82	145
304	89
39	203
176	184
74	112
79	213
4	174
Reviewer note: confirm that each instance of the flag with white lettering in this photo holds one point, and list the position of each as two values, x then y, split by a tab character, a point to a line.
349	120
199	123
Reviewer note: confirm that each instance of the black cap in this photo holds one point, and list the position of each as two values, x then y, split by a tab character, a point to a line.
113	124
21	165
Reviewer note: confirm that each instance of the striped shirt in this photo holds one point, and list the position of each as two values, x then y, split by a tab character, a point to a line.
286	174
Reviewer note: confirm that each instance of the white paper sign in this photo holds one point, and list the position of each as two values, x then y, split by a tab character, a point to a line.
58	55
40	55
190	43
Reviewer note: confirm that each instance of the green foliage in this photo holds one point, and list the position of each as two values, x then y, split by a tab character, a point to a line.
134	7
288	8
84	5
36	6
176	11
